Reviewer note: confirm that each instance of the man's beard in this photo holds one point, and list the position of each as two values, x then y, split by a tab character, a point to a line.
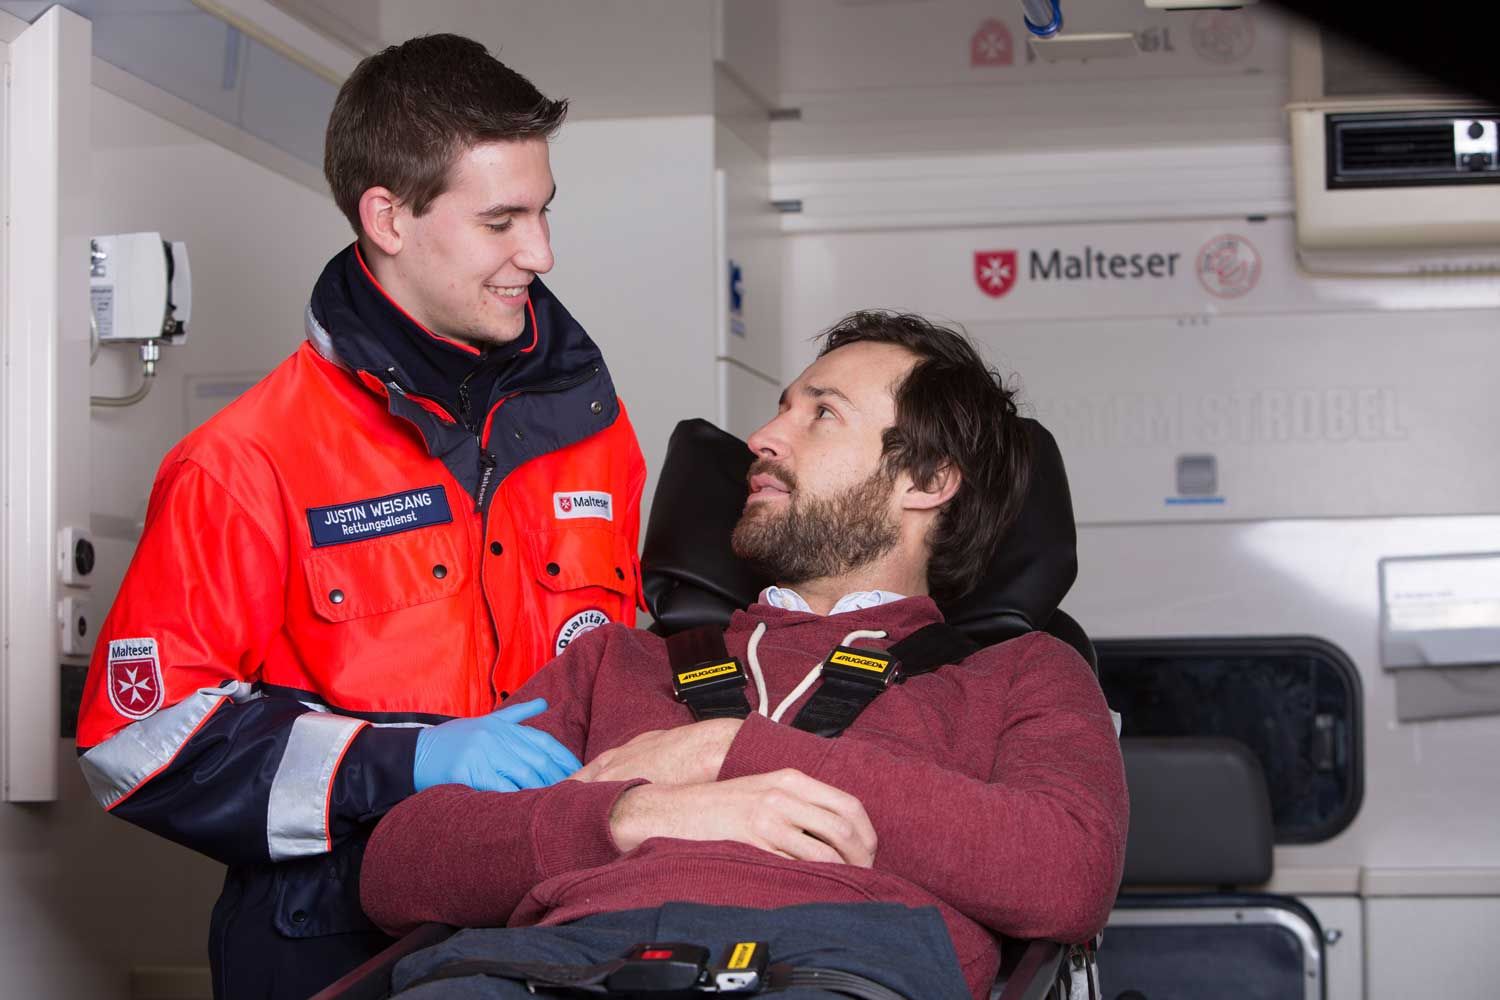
815	538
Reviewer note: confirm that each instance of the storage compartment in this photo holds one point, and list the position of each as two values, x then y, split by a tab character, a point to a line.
1253	947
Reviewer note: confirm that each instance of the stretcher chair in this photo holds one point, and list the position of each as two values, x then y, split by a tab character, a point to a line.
1201	827
690	579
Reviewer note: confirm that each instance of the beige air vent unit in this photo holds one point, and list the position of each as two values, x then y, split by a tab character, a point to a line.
1393	174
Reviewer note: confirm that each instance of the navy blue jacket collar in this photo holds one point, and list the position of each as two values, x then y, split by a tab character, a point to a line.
371	332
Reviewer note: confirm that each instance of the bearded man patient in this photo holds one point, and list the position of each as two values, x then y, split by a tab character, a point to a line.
982	798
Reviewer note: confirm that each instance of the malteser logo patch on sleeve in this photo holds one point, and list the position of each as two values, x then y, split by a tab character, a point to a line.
583	503
133	677
585	621
388	515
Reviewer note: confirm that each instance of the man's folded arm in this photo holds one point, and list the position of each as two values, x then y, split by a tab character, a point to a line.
1034	852
457	856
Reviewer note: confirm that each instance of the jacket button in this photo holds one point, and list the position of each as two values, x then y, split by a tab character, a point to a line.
619	573
596	407
553	569
299	916
439	571
496	548
336	596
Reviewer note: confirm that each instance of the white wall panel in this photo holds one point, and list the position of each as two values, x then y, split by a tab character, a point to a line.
749	43
636	262
752	242
918	76
848	45
44	338
1429	947
85	897
630	59
1029	187
1432	799
1342	920
257	242
1317	397
752	399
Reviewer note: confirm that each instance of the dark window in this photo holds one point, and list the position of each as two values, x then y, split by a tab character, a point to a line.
1294	701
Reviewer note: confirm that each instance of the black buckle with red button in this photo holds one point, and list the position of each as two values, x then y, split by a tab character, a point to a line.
660	969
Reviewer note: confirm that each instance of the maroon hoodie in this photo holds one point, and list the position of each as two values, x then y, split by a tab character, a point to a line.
995	787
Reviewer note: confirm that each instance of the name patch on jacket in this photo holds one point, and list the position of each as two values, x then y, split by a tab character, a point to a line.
388	515
583	503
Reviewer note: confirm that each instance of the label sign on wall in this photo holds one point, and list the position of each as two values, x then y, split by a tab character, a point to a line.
830	46
1112	270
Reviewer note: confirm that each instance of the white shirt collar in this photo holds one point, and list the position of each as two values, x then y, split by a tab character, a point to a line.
789	600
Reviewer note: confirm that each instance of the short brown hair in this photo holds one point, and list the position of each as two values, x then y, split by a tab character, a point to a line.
950	408
406	113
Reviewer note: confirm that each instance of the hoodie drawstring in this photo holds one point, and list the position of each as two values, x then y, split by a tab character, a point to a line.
752	654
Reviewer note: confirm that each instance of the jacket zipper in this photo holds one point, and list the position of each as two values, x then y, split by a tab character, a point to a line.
486	474
465	407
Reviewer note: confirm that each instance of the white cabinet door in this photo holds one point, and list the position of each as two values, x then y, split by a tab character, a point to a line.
44	392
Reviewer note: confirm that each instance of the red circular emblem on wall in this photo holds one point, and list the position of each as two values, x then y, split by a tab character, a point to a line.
1228	266
1223	36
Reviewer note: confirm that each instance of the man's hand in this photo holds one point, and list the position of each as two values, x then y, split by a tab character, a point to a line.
686	755
784	812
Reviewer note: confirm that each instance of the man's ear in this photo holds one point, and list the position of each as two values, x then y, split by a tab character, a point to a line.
941	488
378	212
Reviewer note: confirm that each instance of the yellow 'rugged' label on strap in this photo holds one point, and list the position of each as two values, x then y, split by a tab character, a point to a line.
865	660
709	672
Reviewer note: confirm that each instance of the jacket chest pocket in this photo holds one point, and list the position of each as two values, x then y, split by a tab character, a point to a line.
585	577
375	577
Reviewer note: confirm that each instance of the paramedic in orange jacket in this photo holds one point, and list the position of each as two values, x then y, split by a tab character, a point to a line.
345	573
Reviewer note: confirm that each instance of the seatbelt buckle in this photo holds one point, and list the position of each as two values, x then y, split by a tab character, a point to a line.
743	967
710	676
667	967
862	666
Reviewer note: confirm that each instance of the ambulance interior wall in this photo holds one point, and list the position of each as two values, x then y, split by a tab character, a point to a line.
1349	420
85	898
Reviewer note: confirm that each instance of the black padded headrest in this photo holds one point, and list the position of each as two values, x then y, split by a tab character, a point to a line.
692	578
1200	813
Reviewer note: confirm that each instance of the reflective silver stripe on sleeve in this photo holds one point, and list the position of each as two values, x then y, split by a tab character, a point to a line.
117	766
297	815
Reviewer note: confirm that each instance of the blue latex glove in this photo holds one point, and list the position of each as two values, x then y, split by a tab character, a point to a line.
493	753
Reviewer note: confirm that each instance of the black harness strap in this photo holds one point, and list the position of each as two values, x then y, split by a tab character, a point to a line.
613	979
852	678
584	978
930	647
704	676
712	683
